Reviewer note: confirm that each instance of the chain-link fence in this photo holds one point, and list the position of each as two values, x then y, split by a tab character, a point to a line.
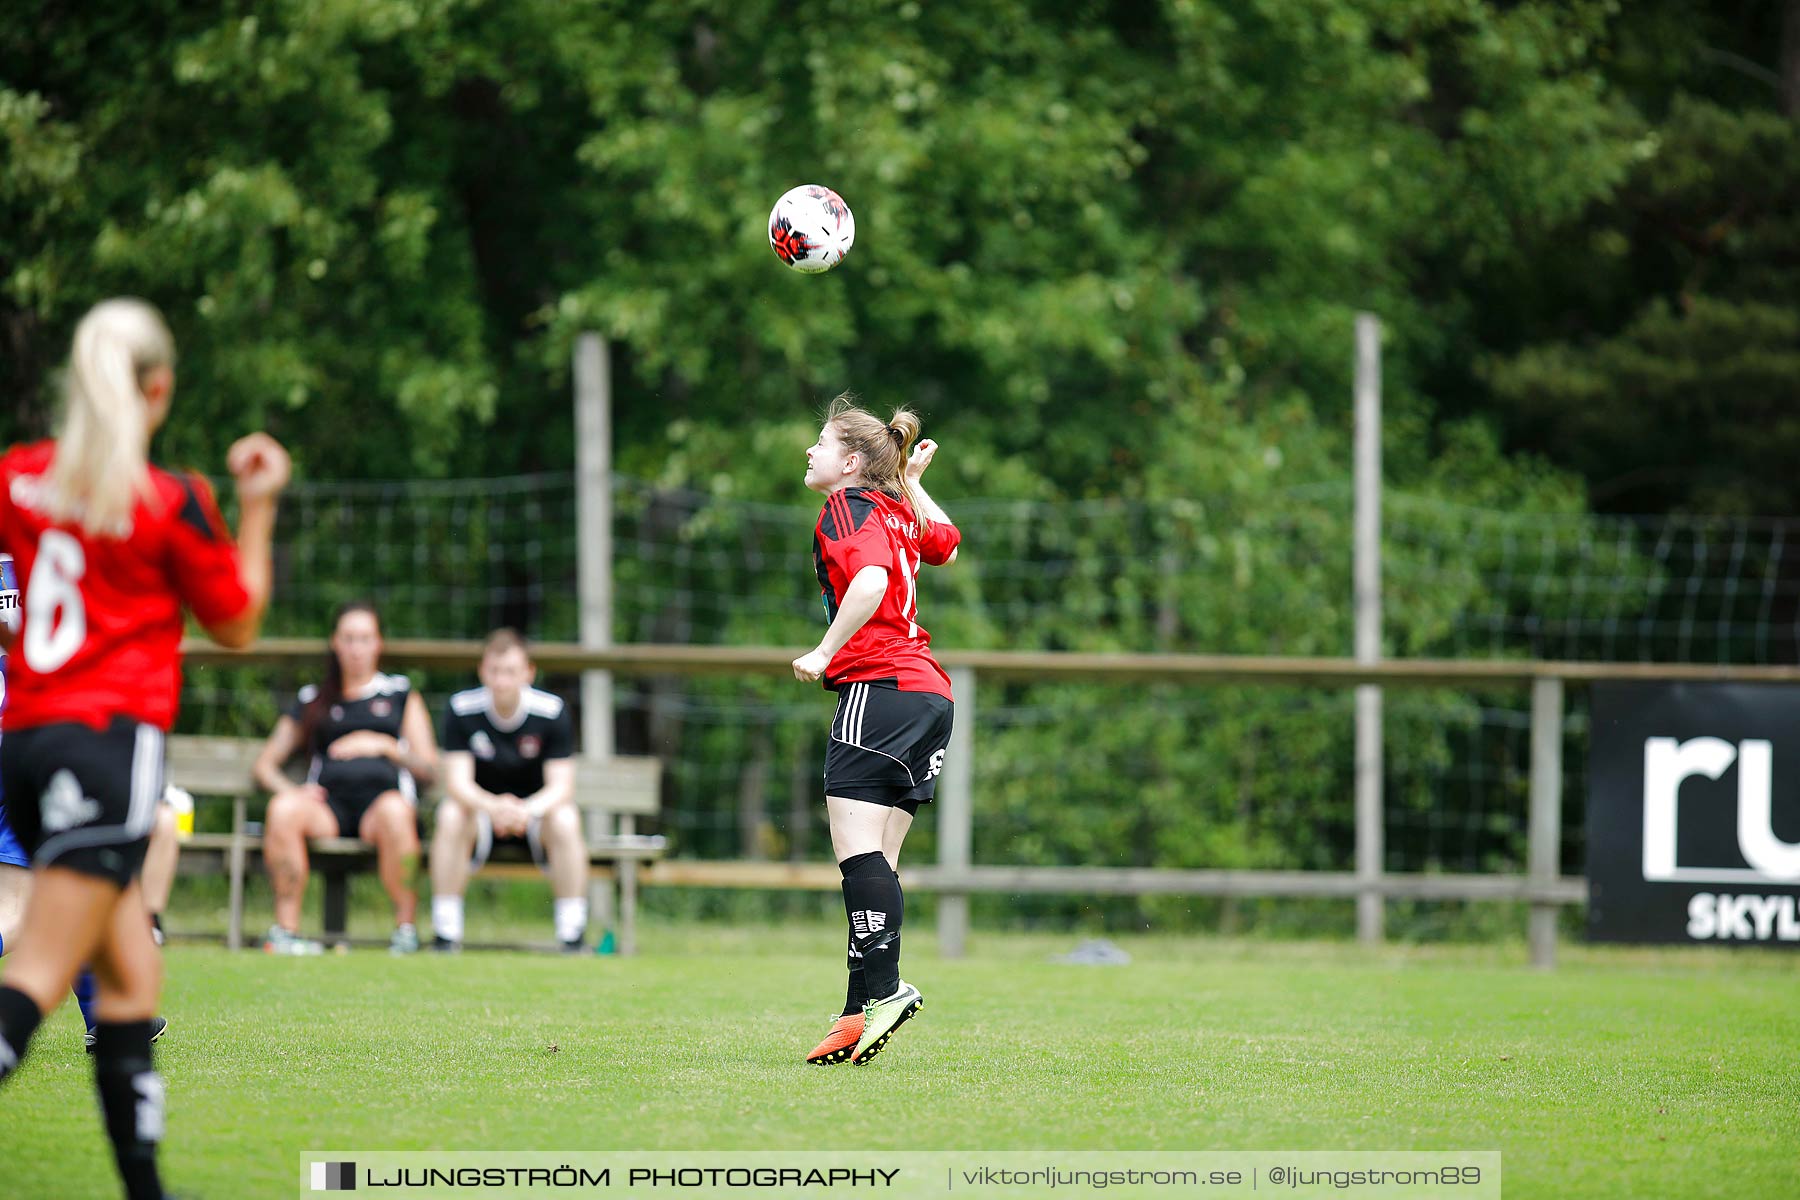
1093	774
1205	574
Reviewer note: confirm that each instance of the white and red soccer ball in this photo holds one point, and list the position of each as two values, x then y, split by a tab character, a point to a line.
811	229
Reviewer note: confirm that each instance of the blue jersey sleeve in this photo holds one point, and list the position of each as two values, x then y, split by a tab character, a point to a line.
11	852
9	596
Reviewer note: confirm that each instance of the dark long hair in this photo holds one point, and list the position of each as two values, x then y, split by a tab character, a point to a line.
331	688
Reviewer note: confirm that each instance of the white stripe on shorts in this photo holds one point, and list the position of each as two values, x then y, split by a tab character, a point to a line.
146	780
846	730
859	710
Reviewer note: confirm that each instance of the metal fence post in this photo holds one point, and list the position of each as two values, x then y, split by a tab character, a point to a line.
1544	846
1366	572
592	370
956	816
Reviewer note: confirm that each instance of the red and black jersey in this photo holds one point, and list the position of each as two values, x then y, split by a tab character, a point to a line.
101	635
862	527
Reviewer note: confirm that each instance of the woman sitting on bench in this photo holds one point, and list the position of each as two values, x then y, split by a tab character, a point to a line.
371	744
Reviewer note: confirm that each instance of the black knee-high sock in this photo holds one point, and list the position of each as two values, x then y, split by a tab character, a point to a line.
131	1100
856	992
19	1018
872	903
899	916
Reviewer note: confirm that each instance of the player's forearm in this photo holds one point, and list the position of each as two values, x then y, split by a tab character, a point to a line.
540	803
558	788
420	764
471	795
268	775
930	509
255	537
256	531
861	599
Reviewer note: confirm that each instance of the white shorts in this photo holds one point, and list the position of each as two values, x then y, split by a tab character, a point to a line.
484	842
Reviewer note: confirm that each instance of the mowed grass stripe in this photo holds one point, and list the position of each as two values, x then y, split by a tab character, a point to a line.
1620	1074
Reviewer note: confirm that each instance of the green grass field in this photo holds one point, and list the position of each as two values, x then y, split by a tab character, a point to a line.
1622	1073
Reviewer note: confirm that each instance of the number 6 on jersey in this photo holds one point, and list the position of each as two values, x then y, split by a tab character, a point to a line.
55	621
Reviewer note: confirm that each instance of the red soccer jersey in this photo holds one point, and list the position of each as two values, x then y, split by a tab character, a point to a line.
861	527
102	630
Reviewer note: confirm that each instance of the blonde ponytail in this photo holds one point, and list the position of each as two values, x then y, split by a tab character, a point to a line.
903	427
883	446
102	449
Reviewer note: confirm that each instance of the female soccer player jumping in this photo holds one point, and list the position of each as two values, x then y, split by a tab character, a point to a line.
109	550
892	726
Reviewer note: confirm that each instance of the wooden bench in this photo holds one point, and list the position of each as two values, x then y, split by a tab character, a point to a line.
611	794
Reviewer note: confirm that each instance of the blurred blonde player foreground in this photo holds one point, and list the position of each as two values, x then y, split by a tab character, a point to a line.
15	865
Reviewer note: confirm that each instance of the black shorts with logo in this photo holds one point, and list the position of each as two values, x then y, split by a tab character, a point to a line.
84	798
887	746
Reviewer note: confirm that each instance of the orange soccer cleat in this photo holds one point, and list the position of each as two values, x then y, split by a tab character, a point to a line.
840	1043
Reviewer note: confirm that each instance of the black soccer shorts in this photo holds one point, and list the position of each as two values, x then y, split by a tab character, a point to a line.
353	785
887	746
350	800
84	798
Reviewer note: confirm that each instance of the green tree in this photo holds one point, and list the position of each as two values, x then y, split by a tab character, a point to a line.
387	217
1664	371
1690	403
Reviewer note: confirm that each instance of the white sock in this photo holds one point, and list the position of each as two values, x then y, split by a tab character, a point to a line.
571	918
446	917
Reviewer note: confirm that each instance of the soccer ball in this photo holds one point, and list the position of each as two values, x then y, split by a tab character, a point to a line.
811	229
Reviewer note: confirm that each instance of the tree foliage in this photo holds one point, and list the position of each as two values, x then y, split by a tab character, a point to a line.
1664	368
1081	231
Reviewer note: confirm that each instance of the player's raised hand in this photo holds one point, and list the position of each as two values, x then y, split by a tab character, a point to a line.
921	458
260	465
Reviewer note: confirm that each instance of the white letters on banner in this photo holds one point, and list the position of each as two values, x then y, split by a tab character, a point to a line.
1667	763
